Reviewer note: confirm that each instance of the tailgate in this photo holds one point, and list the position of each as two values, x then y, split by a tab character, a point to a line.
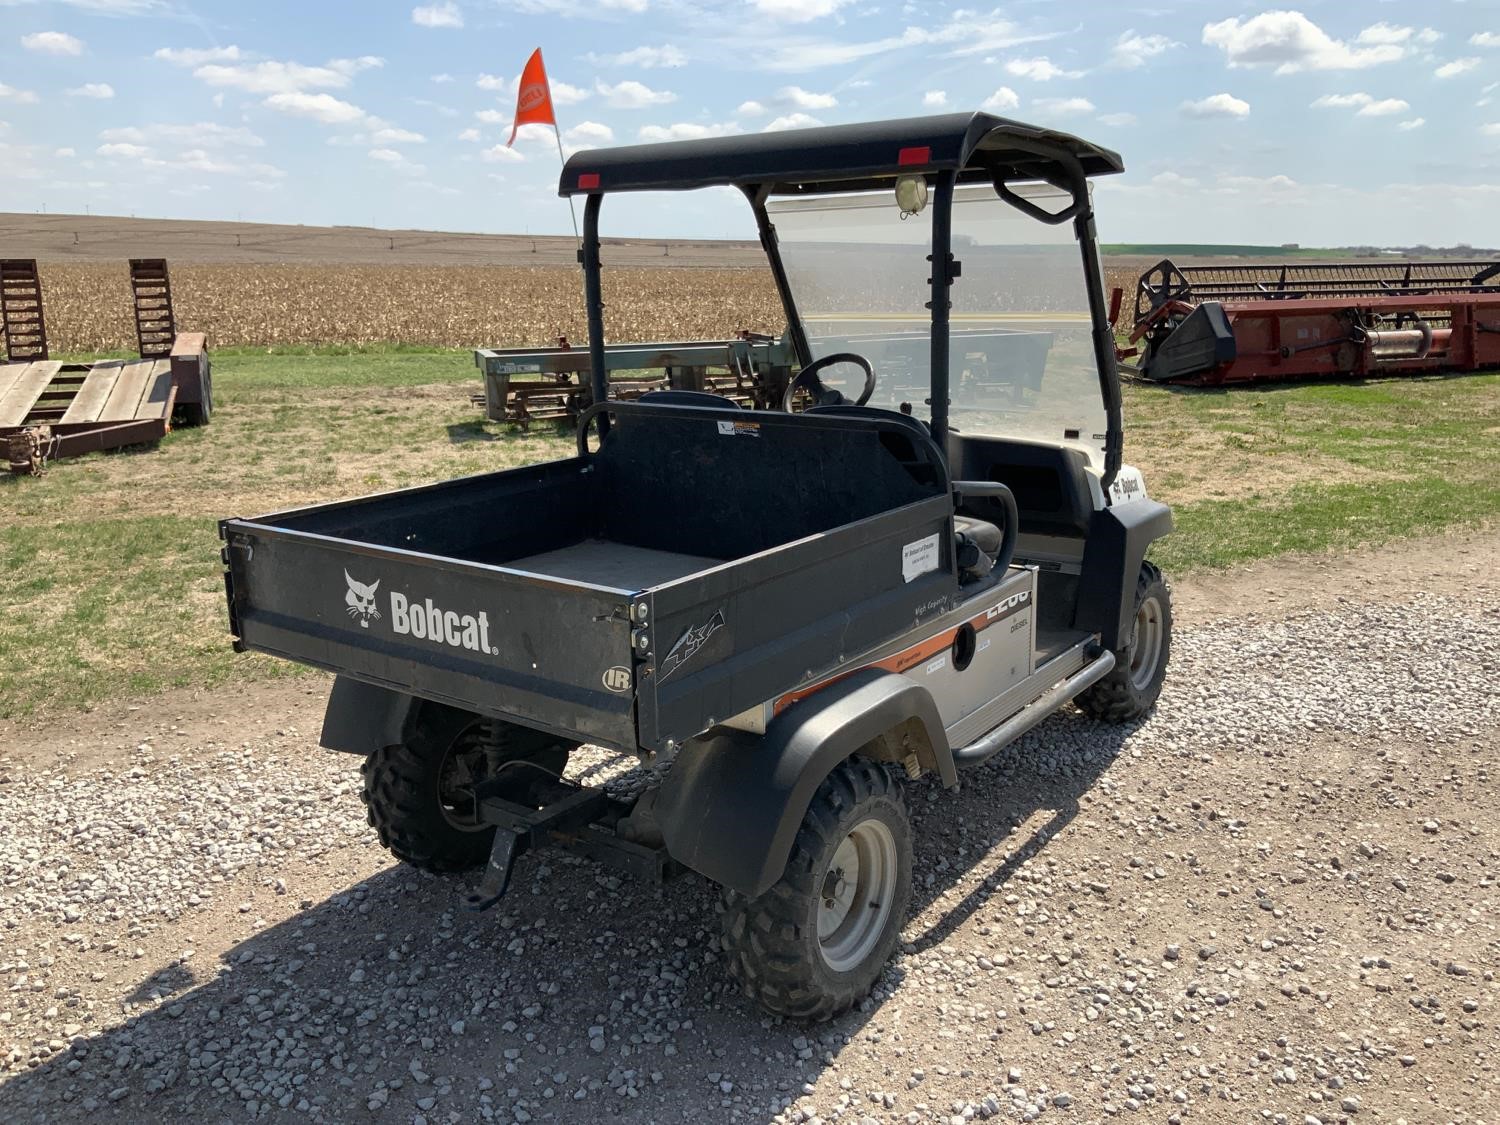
549	653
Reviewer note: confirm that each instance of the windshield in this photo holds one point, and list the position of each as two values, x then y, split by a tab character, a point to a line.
1021	353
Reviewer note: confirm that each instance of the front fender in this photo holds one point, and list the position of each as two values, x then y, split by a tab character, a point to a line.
731	804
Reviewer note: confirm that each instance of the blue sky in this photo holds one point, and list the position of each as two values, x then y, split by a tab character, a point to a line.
1326	123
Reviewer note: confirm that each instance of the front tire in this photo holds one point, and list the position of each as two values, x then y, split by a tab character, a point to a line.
418	794
1132	686
814	945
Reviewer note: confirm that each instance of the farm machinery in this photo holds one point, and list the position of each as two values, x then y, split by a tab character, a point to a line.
51	409
1216	324
924	545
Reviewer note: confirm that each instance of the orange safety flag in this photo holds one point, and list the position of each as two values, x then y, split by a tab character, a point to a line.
534	98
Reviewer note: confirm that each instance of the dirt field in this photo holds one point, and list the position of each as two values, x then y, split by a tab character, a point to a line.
248	284
1273	900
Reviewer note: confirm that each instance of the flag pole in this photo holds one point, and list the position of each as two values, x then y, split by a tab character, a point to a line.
563	160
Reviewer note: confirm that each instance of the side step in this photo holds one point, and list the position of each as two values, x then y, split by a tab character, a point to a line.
986	747
155	326
21	319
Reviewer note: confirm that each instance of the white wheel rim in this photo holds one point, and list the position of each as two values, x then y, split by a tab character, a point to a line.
1145	644
855	895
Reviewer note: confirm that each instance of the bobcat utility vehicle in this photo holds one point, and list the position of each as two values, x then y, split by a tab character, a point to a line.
790	612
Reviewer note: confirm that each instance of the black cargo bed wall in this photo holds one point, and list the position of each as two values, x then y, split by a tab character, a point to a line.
726	487
486	519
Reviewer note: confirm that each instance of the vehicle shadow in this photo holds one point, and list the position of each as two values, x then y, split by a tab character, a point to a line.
309	1019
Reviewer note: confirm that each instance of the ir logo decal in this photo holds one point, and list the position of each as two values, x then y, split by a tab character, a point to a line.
617	679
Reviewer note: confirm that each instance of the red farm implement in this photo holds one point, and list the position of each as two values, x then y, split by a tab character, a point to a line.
1209	325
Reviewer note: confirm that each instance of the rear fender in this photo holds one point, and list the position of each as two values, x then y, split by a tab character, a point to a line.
732	803
362	718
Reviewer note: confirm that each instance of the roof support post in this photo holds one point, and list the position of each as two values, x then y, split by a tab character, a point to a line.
1104	336
943	274
593	299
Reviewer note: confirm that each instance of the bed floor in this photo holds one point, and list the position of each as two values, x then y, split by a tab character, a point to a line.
620	567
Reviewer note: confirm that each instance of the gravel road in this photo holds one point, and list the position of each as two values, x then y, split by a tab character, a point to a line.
1274	900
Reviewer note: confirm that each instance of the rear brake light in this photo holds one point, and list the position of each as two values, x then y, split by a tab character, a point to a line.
918	155
588	180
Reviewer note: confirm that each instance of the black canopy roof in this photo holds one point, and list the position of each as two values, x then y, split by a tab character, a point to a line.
838	157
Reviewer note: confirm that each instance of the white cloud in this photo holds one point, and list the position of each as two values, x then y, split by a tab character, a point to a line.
1394	35
1290	42
1117	120
934	99
1484	39
272	77
1133	49
631	94
750	109
665	57
24	97
492	117
197	56
124	151
99	90
320	107
441	79
966	32
470	135
1414	123
201	134
500	154
1064	106
446	14
1455	68
1001	100
805	99
590	132
52	43
1039	70
564	94
1491	130
687	131
791	121
394	135
1217	105
1367	105
798	11
491	82
398	161
63	153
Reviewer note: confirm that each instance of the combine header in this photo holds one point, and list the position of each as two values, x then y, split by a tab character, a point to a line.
1216	324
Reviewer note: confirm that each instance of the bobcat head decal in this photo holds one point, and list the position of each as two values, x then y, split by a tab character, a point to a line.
361	600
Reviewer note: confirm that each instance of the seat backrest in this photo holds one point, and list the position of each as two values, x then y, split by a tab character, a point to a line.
1049	482
675	397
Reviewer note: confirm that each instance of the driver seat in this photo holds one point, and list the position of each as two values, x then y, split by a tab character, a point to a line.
976	547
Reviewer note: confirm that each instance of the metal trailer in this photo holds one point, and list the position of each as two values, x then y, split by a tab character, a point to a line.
523	385
1210	325
51	409
794	612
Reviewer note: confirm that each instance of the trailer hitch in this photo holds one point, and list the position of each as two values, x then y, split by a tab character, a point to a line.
526	814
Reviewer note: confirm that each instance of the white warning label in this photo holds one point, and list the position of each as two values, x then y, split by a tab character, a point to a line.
919	558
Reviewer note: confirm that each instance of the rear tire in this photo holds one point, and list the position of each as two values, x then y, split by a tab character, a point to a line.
417	794
814	945
1132	686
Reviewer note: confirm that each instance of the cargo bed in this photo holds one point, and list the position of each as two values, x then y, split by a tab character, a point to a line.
603	597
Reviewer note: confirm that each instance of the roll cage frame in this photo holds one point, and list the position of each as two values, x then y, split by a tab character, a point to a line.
947	150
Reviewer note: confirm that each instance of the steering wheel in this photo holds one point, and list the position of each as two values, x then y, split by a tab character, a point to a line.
807	379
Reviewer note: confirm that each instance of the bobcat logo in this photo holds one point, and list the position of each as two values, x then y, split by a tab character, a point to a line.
361	600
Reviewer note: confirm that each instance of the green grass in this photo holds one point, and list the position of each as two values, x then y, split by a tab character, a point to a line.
109	564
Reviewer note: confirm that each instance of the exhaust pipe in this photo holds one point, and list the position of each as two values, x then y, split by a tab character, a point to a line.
987	746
